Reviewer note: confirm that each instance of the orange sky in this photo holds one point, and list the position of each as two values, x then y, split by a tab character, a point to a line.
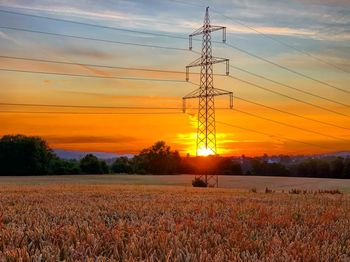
128	133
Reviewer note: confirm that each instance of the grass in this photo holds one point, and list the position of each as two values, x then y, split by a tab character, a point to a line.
170	223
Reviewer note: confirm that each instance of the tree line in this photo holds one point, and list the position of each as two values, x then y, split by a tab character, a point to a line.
23	155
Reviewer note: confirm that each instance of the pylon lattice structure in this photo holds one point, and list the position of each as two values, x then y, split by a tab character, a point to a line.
206	131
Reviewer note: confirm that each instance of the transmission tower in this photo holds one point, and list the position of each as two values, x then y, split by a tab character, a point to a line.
206	132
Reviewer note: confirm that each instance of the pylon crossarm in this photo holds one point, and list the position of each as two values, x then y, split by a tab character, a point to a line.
213	60
202	96
199	31
219	91
216	60
210	29
193	94
216	28
197	62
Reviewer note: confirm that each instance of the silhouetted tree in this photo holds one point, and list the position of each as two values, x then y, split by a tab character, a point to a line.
157	159
337	168
90	164
104	167
263	168
60	166
122	165
346	170
23	155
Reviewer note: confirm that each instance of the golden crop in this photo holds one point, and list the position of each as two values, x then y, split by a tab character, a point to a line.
133	223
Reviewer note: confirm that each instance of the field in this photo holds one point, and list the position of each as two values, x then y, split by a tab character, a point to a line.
237	182
88	222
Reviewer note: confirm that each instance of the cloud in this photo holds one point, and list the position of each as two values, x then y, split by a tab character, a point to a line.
270	30
88	139
7	37
85	52
299	61
81	11
341	3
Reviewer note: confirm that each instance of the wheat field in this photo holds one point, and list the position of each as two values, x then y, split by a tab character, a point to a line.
168	223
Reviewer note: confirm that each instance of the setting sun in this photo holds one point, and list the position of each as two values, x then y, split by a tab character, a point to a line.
205	152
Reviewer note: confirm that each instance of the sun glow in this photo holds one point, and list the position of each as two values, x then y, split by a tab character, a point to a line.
204	151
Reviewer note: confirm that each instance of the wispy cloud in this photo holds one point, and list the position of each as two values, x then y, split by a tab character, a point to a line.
8	38
270	30
84	52
88	139
81	11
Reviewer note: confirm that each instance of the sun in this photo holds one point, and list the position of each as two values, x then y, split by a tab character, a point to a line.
204	151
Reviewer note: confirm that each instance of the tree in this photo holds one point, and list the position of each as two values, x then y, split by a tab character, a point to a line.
157	159
337	167
90	164
122	165
104	167
23	155
346	170
262	168
323	169
64	167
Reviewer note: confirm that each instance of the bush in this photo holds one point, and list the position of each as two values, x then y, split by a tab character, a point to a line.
22	155
268	190
197	182
253	190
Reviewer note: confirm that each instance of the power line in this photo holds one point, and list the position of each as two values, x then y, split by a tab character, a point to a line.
99	113
292	114
92	25
271	37
163	108
165	47
158	108
290	97
99	107
91	65
286	68
155	46
288	86
295	48
90	113
92	76
166	71
144	79
91	38
87	106
147	70
112	77
270	135
167	80
155	34
150	113
288	125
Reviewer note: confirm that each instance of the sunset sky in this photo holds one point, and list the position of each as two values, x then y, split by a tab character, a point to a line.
310	37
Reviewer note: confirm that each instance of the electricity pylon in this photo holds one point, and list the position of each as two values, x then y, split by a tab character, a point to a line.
206	132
